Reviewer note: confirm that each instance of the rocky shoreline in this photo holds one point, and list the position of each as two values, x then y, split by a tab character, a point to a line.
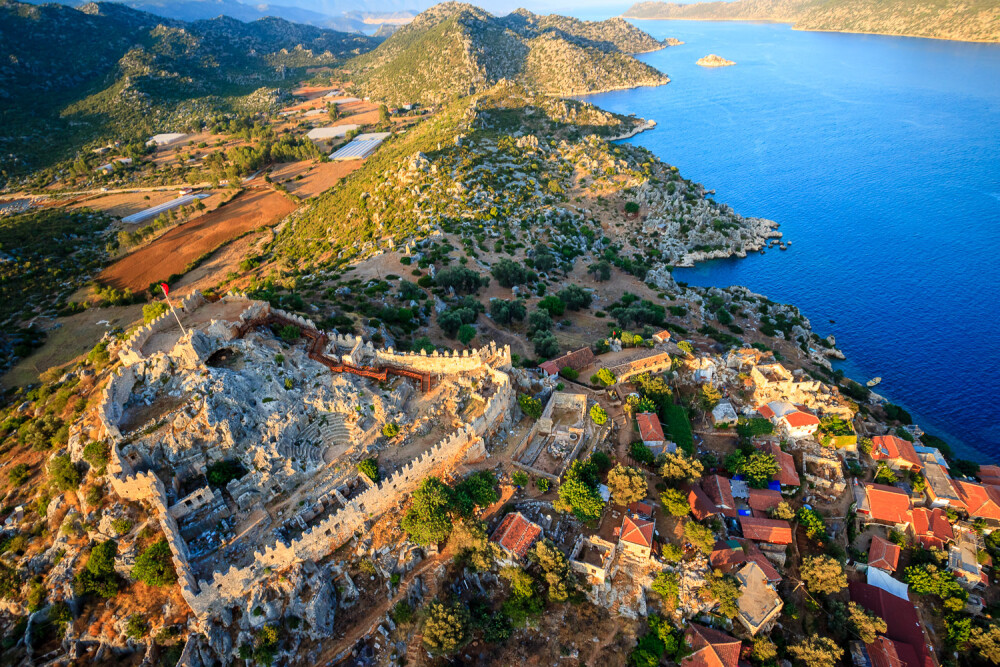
712	60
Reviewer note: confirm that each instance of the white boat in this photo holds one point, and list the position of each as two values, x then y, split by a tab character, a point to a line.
874	381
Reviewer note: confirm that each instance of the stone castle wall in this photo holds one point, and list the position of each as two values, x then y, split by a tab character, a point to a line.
131	350
205	597
319	540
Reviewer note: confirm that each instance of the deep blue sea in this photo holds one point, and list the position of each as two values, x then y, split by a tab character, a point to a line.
880	158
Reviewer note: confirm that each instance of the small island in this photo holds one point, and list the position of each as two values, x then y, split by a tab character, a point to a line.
712	60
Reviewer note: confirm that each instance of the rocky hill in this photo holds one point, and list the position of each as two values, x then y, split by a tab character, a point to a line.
72	75
975	20
455	48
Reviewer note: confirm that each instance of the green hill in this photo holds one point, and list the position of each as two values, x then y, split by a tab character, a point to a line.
106	72
454	49
966	20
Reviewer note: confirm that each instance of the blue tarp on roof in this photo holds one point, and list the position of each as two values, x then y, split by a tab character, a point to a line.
745	513
774	485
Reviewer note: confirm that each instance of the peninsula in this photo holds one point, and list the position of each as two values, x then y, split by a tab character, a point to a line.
975	21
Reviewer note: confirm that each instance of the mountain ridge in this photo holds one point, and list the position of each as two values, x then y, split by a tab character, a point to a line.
973	21
455	48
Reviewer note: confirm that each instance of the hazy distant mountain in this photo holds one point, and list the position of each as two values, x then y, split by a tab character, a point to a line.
344	15
968	20
106	71
453	48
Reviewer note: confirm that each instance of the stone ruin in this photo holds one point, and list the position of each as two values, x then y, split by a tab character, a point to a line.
291	429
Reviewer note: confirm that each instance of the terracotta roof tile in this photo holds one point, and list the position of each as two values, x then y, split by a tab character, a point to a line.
787	474
701	505
649	427
801	419
980	501
711	648
773	531
637	531
516	534
763	500
888	504
901	618
931	527
883	554
891	447
720	491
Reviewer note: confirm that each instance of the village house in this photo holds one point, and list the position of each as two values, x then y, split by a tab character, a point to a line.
762	501
723	414
661	337
883	554
788	475
795	421
770	531
962	561
989	475
701	505
635	537
939	490
719	490
710	648
884	505
651	434
896	452
515	536
577	360
978	501
759	603
903	623
931	528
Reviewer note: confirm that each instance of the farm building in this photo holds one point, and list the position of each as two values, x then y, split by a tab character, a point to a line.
361	147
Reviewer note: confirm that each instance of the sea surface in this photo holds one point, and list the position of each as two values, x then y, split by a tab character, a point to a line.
880	158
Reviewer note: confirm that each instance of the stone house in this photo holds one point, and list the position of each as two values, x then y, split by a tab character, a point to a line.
724	414
635	537
759	603
883	554
515	536
896	452
710	648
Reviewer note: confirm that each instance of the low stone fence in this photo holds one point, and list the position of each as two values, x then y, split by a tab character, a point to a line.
131	350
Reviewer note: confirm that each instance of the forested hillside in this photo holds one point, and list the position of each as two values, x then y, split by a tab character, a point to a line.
104	71
453	49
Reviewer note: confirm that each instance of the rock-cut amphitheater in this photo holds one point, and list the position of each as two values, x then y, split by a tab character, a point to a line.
244	433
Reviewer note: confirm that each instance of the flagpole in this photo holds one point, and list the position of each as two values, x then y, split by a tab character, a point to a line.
165	296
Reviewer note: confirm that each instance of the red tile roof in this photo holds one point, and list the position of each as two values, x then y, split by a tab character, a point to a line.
643	509
888	504
649	427
980	501
720	491
637	531
883	554
931	527
891	447
801	419
903	623
516	534
773	531
711	648
765	411
787	474
725	558
763	500
886	653
576	360
989	475
701	505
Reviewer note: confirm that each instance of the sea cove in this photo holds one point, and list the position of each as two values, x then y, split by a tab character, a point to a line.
879	157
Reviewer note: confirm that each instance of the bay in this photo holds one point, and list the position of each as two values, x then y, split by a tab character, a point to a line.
880	158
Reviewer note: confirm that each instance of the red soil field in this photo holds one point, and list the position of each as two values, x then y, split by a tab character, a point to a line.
173	251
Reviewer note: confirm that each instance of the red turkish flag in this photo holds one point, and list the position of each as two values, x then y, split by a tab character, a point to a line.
166	289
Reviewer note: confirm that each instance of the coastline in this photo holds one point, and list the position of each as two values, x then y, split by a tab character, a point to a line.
792	24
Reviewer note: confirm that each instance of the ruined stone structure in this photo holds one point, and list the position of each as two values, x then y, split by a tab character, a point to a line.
144	360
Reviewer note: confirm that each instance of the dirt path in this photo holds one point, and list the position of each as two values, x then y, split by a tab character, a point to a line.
173	252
